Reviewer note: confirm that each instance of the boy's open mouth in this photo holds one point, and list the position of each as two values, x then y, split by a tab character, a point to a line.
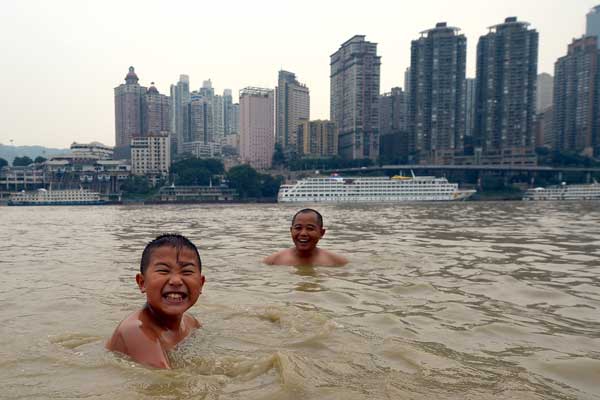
174	297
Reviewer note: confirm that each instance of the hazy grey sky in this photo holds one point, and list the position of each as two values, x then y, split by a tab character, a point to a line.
61	59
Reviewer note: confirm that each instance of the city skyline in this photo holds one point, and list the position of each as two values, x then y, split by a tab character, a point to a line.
60	73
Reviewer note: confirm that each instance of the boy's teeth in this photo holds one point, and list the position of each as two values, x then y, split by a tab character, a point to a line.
174	296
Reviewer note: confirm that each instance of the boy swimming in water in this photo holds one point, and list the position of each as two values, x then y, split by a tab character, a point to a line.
171	277
306	230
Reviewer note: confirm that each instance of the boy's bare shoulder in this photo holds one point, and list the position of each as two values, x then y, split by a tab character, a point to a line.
139	341
329	258
192	322
279	257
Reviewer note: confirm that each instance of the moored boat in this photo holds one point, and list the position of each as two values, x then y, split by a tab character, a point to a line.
336	189
564	192
43	197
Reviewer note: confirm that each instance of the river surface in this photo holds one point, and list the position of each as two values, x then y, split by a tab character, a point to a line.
440	301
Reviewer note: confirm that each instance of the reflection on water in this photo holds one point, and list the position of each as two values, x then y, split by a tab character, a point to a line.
450	301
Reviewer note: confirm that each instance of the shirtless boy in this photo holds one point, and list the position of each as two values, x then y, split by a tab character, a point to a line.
306	230
171	277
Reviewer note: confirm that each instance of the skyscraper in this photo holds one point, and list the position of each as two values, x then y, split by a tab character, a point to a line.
227	111
180	100
235	118
201	119
156	113
544	129
437	87
218	118
354	79
128	112
393	126
545	90
393	112
592	26
507	60
207	90
576	114
292	106
469	111
216	121
317	138
257	136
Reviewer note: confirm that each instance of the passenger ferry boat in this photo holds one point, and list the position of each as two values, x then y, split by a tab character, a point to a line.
43	197
564	192
336	189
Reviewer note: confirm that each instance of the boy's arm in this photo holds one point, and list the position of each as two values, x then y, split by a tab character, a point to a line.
335	259
142	345
282	257
273	258
270	259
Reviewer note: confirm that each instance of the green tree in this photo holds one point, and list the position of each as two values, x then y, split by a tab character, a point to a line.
3	163
40	159
245	180
194	176
136	185
278	156
197	171
22	161
269	185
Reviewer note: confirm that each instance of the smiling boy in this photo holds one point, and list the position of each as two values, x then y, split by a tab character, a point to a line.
171	277
306	230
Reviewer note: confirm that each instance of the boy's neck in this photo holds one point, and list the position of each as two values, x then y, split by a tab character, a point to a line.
308	254
164	322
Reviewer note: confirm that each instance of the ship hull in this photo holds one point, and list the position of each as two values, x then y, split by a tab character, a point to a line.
371	190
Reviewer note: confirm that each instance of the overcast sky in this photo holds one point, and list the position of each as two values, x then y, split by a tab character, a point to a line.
61	59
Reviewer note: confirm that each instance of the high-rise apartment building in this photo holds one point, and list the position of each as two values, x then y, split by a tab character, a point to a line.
151	155
227	111
354	80
544	129
235	118
207	89
156	112
317	138
218	118
292	106
507	59
437	101
201	119
393	125
393	112
592	26
216	121
545	91
577	98
257	133
180	100
128	112
470	89
407	81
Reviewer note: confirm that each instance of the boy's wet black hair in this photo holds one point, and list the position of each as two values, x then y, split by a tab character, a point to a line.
307	210
167	239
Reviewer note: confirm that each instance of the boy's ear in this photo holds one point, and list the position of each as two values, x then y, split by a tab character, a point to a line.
139	278
322	232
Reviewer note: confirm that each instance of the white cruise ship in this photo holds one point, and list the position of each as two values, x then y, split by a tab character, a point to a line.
336	189
43	197
564	192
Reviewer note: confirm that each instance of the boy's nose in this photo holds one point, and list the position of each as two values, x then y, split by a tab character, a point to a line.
175	279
